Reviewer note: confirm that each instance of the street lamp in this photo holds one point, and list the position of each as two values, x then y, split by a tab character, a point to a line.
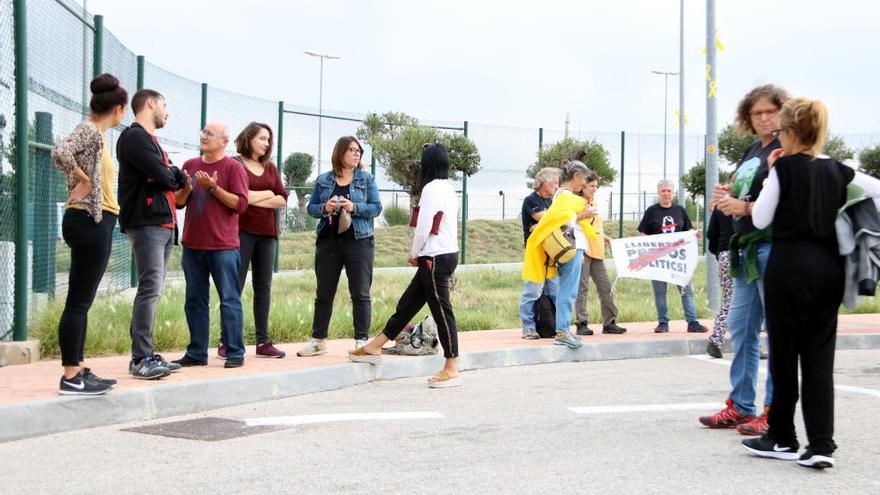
322	56
501	193
665	74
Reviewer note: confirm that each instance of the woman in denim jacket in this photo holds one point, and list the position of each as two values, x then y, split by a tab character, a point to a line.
345	200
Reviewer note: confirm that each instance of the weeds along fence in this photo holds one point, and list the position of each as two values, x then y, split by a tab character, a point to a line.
51	49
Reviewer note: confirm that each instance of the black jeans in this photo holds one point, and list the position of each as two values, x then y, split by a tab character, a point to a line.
429	285
90	245
803	289
357	256
259	249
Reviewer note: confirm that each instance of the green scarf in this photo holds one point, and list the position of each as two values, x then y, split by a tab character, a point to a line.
750	243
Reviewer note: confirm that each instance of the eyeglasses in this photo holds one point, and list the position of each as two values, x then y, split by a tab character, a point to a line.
209	134
775	133
356	151
769	113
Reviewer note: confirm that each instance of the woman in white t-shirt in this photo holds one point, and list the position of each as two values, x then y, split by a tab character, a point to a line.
435	253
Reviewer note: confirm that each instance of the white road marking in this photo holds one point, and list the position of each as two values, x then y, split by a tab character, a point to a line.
644	408
332	418
763	370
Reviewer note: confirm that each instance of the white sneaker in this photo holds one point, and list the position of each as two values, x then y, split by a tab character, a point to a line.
360	343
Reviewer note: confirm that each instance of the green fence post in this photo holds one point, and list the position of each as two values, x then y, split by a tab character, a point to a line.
622	162
204	118
372	164
540	143
133	274
45	217
98	49
20	311
280	162
464	209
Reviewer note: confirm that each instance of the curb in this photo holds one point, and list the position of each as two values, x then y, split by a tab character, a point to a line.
43	417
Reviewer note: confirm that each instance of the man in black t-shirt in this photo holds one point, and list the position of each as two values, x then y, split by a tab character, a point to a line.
534	206
666	218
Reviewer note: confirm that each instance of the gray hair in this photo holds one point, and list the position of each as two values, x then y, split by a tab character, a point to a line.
574	167
665	182
546	175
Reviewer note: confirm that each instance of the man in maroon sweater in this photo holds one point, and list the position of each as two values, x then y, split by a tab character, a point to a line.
217	194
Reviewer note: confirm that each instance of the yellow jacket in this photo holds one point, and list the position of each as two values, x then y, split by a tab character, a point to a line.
561	211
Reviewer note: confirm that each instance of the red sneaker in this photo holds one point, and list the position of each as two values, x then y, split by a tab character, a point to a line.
728	417
267	350
756	427
221	351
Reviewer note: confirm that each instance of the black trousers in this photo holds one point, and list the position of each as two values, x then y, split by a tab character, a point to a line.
258	253
803	290
90	245
356	256
430	285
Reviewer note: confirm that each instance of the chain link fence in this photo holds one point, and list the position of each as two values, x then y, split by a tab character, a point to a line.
63	55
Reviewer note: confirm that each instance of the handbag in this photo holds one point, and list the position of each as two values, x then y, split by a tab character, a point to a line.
560	245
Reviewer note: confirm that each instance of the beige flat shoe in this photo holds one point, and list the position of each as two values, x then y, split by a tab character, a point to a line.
443	380
360	356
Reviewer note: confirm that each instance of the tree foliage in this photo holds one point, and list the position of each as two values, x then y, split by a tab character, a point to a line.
297	170
694	181
397	140
869	159
588	151
732	144
836	148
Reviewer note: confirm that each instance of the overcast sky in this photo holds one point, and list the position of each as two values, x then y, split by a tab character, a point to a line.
517	63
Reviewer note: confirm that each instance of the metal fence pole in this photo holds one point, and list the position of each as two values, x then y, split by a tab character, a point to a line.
372	164
45	215
98	50
540	143
280	163
622	162
19	14
464	209
204	115
132	273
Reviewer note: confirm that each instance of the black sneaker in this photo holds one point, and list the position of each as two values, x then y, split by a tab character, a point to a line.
714	351
233	363
583	329
614	328
79	386
187	361
764	446
816	461
696	327
147	368
88	375
172	367
661	327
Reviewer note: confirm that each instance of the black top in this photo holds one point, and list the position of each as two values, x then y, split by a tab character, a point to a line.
329	230
810	192
719	232
660	220
532	204
744	225
144	179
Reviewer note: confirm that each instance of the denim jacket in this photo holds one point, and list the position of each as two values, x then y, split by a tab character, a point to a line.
364	195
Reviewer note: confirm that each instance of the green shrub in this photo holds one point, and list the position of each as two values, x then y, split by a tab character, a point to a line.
396	215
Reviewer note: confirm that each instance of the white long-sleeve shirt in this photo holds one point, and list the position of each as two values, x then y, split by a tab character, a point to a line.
438	195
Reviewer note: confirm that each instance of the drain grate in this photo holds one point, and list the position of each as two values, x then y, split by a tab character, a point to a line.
205	429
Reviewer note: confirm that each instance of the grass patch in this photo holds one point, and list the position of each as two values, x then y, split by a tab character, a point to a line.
483	299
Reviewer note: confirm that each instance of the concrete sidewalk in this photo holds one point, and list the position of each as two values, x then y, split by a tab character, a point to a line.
31	406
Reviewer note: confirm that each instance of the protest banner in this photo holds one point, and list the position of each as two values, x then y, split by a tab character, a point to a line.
665	257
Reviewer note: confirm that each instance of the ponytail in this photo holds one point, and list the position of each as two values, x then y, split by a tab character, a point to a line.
808	121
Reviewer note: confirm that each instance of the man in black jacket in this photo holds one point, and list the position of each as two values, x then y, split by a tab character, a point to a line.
147	182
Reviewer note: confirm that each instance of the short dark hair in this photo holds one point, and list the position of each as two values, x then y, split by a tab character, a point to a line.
243	141
139	100
434	163
593	176
339	151
107	94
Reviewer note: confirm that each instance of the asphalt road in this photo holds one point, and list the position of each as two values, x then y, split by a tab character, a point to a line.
505	430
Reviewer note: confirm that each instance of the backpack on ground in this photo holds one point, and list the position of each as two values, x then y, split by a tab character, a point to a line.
420	340
545	317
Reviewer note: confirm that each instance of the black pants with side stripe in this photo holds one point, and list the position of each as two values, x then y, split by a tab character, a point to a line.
430	285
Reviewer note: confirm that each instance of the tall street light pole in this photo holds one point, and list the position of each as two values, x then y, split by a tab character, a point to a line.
321	56
665	74
681	113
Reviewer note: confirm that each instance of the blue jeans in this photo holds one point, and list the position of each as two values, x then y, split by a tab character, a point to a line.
222	266
531	292
744	319
569	280
687	301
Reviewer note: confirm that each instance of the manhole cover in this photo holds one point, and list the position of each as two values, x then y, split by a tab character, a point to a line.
205	429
